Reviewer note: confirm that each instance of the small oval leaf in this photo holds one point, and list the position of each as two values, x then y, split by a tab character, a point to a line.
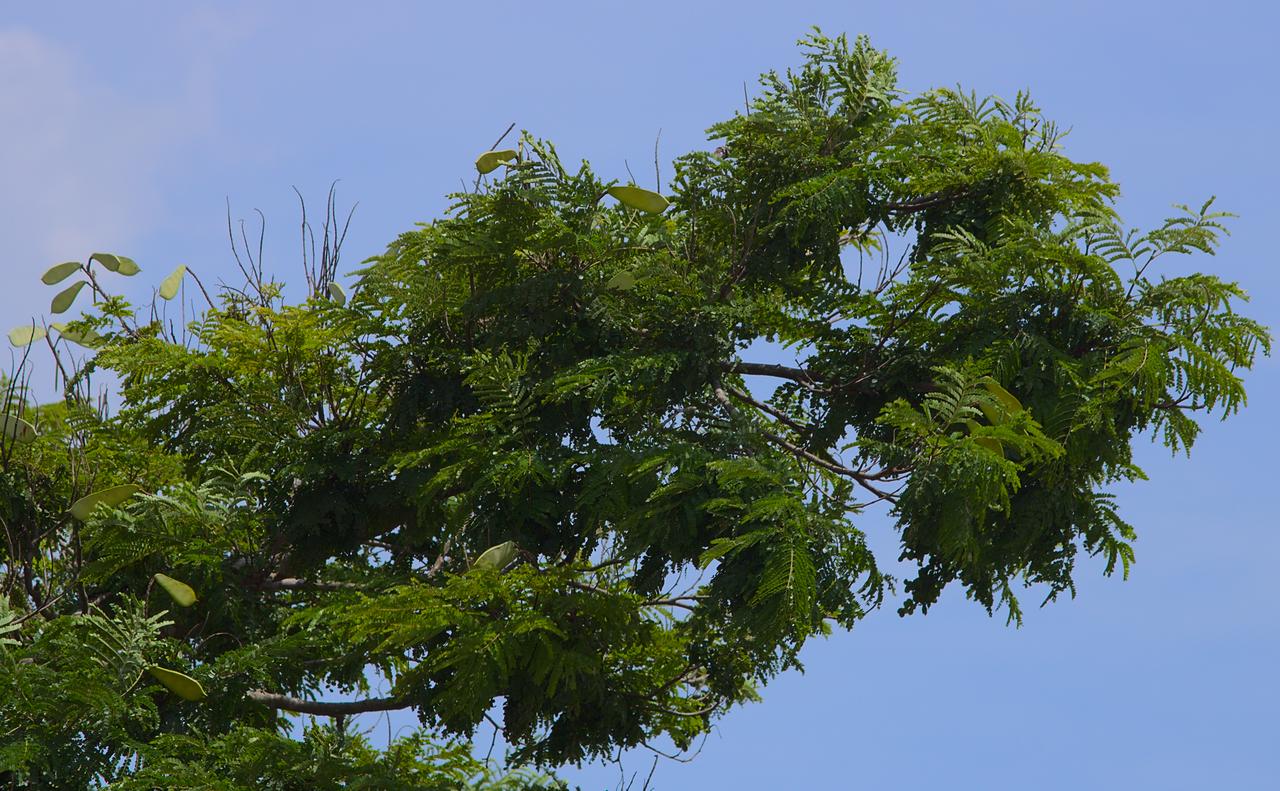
64	299
182	594
18	429
337	294
170	285
490	160
59	273
497	557
180	684
82	508
634	197
623	281
24	336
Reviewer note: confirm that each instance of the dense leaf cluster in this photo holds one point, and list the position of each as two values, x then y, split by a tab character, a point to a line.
528	471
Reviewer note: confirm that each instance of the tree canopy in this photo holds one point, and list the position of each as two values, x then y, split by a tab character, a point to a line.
536	463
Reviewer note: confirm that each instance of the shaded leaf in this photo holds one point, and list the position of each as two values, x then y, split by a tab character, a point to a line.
59	273
623	281
64	298
497	557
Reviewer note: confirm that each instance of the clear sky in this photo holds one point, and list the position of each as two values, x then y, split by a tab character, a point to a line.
128	126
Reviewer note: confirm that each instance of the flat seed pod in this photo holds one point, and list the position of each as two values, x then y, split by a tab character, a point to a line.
990	443
489	160
180	684
1007	399
17	429
66	297
623	281
23	336
59	273
496	557
337	293
634	197
170	285
111	497
182	594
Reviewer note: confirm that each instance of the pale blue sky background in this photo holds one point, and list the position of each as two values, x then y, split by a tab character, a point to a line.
127	126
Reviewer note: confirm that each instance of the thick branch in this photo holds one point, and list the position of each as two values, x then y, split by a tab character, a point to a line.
323	708
293	583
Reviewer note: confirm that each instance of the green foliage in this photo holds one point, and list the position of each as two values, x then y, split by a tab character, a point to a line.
518	471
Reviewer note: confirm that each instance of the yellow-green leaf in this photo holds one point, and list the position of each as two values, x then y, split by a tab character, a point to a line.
59	273
170	285
623	281
82	508
636	198
489	160
180	684
497	557
337	293
18	429
182	594
1006	399
66	297
23	336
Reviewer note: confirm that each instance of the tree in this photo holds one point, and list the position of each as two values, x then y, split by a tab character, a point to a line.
520	464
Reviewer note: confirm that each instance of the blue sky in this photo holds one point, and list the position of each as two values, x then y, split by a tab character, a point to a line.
128	127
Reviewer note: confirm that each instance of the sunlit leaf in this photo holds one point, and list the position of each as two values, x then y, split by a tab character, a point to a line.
181	593
111	497
66	297
634	197
170	285
337	293
59	273
25	335
490	160
180	684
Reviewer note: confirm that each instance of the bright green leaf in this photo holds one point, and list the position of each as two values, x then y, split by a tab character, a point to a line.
1006	399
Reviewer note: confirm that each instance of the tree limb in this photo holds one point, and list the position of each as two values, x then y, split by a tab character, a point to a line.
325	708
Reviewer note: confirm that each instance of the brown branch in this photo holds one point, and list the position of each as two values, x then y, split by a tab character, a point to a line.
293	583
326	708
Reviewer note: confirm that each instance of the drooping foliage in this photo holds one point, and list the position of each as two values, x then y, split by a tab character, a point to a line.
529	467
